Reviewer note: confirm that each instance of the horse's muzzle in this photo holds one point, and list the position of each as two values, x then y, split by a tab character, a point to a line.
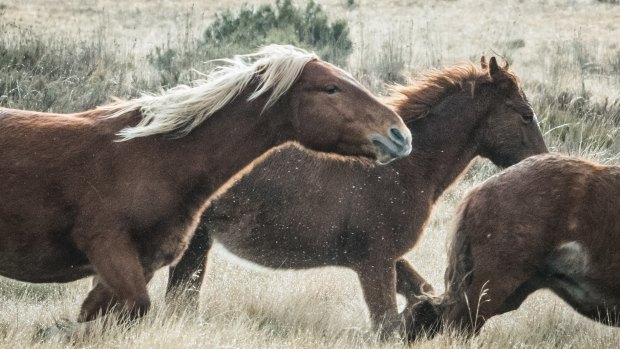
396	145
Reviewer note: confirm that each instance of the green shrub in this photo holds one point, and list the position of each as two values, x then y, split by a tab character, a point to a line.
282	23
350	4
245	30
168	63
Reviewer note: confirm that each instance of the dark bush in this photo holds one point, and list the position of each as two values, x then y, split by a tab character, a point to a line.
282	23
245	30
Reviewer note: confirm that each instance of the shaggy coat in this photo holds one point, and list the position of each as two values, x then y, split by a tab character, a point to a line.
551	221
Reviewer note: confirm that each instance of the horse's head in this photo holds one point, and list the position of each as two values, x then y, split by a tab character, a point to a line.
333	112
509	131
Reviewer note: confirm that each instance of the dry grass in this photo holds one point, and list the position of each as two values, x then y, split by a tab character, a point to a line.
565	52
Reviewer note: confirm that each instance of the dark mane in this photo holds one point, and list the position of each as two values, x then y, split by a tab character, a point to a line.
415	101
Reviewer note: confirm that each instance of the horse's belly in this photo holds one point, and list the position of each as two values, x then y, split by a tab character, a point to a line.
262	236
56	267
41	257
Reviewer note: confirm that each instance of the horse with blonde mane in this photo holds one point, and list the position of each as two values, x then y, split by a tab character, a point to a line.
297	210
116	192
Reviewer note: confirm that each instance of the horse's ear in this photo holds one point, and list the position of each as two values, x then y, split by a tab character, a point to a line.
483	63
494	69
506	64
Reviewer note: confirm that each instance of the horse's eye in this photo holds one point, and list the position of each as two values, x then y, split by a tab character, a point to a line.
527	117
331	89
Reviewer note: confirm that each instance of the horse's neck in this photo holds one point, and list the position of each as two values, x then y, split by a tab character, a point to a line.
228	141
443	147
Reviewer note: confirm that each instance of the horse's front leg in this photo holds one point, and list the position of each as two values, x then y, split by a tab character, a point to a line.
378	281
121	283
101	301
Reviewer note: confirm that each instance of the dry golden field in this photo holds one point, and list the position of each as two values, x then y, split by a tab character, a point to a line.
567	53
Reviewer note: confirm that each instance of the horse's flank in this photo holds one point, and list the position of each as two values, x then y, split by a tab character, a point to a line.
286	147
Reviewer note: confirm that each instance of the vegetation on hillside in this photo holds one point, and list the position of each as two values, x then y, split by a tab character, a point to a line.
244	30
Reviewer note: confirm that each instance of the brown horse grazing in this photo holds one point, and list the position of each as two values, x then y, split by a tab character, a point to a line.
295	210
551	221
77	201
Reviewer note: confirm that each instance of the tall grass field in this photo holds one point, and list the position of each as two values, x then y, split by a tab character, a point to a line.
71	55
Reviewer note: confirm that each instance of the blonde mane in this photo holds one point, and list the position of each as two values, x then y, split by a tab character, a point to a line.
181	109
416	100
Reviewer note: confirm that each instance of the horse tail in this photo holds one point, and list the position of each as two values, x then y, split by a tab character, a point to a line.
459	272
426	316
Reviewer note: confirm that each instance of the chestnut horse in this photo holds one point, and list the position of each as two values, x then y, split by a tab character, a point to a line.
551	221
295	210
78	201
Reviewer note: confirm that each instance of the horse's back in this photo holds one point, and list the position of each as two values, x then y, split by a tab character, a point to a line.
43	137
539	203
546	183
39	152
568	188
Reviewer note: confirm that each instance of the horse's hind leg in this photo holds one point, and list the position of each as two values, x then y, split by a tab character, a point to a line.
186	276
586	299
420	314
409	282
117	265
491	292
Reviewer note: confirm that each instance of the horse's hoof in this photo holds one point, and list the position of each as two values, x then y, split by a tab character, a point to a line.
422	320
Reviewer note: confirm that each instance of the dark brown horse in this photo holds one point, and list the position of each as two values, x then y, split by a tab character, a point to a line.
77	201
296	210
551	221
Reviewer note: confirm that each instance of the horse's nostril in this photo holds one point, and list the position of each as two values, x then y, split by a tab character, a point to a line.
397	136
